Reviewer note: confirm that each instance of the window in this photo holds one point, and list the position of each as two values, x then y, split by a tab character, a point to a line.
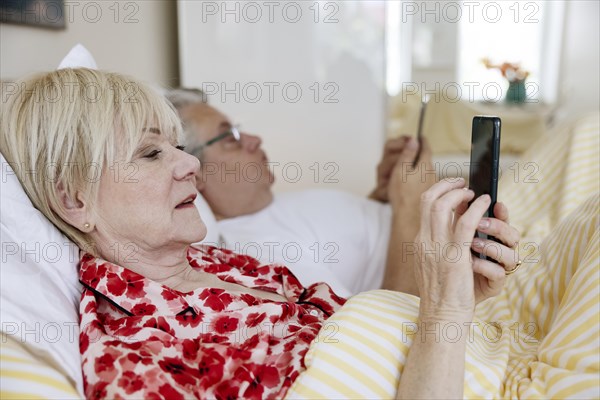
436	43
523	32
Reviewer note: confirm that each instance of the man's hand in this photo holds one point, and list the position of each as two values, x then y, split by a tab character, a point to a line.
406	184
392	151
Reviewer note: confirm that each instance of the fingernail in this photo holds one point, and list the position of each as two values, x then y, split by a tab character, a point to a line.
477	243
484	223
412	143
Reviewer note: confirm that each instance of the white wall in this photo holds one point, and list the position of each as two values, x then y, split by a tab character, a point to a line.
237	52
581	59
348	133
140	40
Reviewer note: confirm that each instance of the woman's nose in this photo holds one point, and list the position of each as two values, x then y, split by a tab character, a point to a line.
250	142
187	165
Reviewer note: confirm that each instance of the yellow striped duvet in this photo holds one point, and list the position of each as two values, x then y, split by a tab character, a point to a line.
25	375
549	181
539	339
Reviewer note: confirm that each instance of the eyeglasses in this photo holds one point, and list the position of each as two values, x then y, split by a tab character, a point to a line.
234	132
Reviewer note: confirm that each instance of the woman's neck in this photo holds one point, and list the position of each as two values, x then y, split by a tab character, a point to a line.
169	267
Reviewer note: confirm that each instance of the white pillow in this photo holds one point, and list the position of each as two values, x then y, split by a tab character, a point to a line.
40	288
78	57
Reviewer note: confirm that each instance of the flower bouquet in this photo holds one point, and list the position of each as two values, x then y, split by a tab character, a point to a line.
515	75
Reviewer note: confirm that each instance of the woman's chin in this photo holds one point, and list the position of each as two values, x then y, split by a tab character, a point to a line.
200	232
196	227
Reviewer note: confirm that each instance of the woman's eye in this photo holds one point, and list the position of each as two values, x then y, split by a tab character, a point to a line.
182	148
153	154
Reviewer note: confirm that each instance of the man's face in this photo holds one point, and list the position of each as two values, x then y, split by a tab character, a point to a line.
234	176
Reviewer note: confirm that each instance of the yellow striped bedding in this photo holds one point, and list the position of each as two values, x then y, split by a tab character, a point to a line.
519	351
539	339
25	375
556	174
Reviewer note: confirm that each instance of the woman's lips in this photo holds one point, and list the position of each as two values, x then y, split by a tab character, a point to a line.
185	205
188	202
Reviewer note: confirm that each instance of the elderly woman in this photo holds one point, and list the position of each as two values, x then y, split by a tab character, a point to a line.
163	319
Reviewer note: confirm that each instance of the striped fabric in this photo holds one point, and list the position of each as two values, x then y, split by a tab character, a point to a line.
559	172
539	339
25	375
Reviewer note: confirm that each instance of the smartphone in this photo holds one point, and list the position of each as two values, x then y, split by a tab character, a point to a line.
485	160
424	101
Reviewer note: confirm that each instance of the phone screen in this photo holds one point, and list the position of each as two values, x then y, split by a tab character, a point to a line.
485	156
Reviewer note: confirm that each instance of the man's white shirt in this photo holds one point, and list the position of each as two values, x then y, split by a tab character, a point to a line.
320	235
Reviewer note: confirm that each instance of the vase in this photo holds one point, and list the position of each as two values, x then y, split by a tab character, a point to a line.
516	93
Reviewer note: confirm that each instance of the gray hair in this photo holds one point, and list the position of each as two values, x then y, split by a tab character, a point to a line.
181	98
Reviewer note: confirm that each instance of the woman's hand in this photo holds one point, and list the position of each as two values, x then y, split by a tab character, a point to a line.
505	253
445	278
450	280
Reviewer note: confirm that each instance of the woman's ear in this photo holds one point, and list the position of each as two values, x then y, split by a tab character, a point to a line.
75	211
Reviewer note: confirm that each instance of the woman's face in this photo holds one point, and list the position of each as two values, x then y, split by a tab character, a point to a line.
146	204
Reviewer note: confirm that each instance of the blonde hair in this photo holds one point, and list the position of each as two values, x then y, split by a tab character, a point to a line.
65	127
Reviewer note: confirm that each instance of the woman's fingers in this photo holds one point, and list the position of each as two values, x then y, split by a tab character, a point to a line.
489	279
460	210
468	223
441	188
500	230
489	270
429	197
505	256
442	212
501	212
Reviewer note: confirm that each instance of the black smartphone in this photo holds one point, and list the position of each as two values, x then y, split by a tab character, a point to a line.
424	101
485	160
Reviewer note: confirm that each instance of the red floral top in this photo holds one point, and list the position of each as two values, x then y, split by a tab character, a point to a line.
141	339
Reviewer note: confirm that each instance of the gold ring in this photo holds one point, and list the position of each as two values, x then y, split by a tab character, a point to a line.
512	271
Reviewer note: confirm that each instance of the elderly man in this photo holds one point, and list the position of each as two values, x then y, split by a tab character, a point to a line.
322	235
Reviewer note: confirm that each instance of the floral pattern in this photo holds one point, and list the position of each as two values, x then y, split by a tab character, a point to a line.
141	339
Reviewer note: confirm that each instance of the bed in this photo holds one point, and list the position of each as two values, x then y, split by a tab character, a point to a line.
40	296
